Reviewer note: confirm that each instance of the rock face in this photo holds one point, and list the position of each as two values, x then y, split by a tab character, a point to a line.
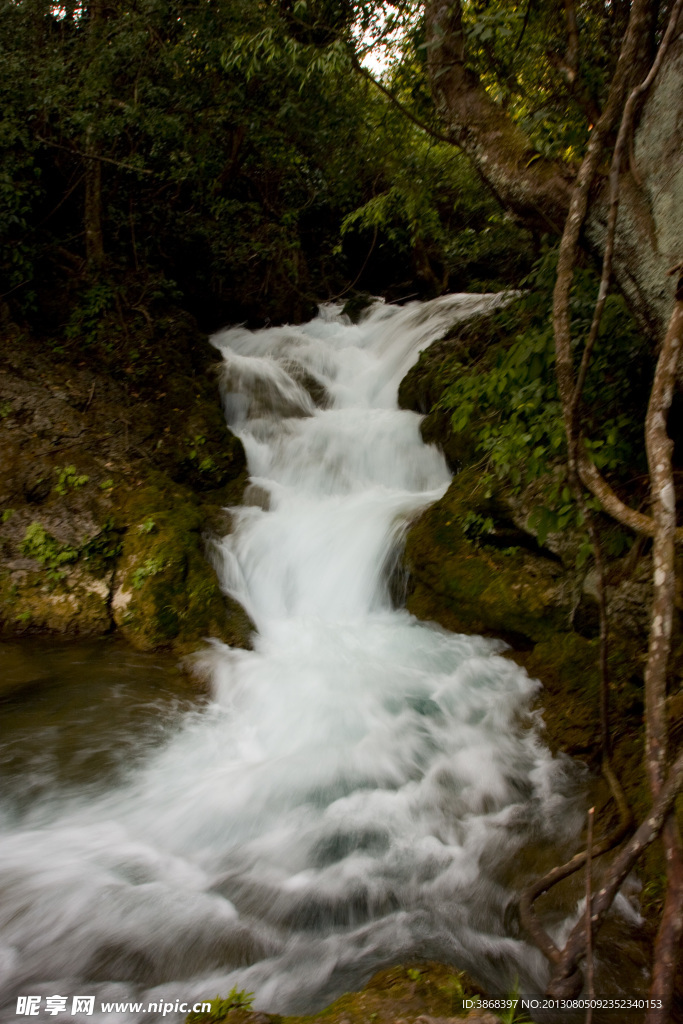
473	570
472	564
106	499
164	591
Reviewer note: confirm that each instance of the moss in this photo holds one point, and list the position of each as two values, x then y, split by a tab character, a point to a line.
423	387
207	456
76	605
126	430
406	993
166	593
492	584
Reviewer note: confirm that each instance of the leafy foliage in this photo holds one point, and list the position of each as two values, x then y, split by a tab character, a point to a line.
69	480
508	390
245	167
44	548
98	553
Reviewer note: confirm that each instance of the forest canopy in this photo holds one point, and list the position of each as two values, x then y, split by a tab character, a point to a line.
232	156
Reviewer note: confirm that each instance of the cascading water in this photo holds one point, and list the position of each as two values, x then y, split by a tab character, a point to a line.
359	786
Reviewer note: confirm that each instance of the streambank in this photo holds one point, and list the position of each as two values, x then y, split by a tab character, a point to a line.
109	491
477	561
419	993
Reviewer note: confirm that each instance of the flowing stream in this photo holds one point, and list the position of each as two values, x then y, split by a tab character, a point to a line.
359	787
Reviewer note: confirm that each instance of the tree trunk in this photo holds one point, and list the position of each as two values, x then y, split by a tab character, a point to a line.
650	226
94	240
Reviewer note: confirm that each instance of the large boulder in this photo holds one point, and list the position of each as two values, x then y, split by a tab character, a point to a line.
472	570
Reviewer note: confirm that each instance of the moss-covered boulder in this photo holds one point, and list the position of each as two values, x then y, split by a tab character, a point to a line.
35	599
428	992
471	569
205	455
165	592
425	383
106	485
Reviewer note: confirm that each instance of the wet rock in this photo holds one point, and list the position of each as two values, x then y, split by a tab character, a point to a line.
37	485
165	592
257	496
73	603
357	305
472	573
315	388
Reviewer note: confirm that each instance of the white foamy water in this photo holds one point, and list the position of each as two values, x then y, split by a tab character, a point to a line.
360	786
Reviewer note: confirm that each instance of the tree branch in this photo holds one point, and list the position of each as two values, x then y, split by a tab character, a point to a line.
566	979
542	885
397	103
94	156
563	982
659	456
523	180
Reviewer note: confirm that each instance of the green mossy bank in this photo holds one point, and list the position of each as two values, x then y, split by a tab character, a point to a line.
112	485
499	583
476	561
423	992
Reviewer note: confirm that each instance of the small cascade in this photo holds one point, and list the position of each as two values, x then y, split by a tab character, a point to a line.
359	787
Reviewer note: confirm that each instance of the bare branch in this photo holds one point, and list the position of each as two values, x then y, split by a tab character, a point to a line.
542	885
661	525
524	27
587	917
397	103
610	501
563	982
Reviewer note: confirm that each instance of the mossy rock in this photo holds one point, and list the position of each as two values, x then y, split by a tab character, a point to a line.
207	455
459	448
356	306
426	383
166	594
497	583
422	989
73	603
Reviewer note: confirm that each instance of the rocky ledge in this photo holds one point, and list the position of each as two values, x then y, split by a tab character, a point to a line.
109	492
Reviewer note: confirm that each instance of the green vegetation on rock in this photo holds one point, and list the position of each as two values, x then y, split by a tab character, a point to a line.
403	993
165	591
496	582
115	538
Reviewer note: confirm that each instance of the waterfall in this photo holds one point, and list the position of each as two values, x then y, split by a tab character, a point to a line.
358	788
